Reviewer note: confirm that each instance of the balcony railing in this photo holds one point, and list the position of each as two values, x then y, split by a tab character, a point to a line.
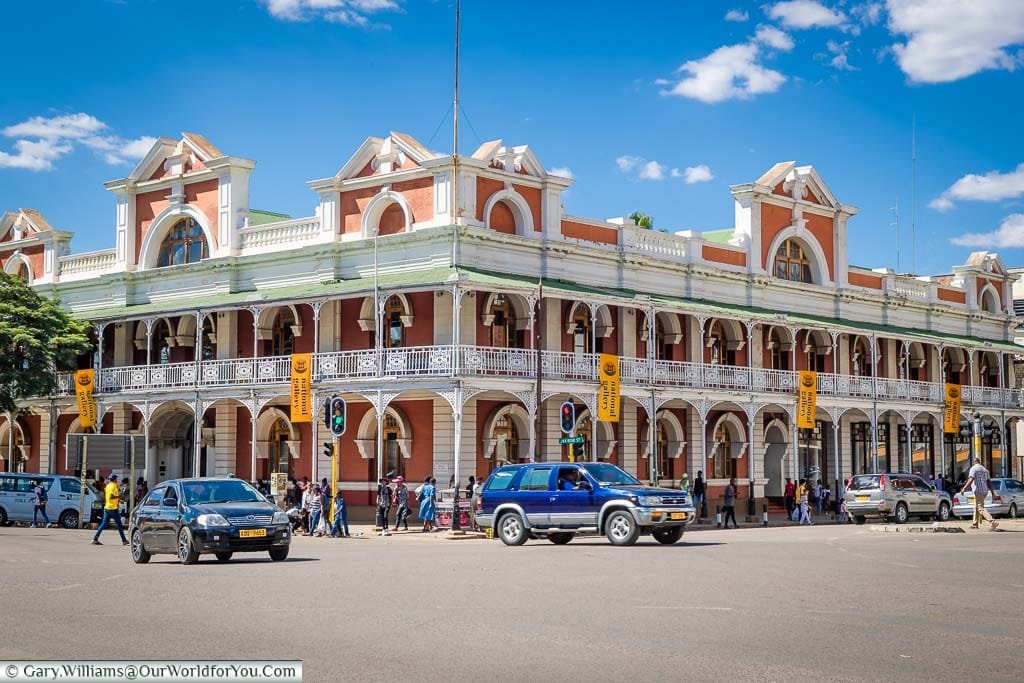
483	361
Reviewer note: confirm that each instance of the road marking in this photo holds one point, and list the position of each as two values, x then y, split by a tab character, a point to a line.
111	578
904	564
1015	585
64	588
687	607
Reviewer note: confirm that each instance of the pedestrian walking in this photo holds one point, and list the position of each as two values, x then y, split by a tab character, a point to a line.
401	499
316	506
39	494
383	503
340	526
698	493
474	499
427	503
803	502
730	504
469	487
788	495
325	487
306	507
684	482
141	489
111	510
977	480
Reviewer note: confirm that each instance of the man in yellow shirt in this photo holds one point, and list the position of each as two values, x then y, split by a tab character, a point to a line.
111	510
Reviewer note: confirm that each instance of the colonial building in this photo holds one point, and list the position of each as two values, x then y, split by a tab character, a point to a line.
429	292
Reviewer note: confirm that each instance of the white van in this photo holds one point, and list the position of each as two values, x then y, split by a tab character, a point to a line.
17	502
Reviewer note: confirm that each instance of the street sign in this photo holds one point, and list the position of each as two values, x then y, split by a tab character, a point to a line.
575	440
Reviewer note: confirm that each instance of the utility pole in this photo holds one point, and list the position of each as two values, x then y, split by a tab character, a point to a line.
913	195
896	223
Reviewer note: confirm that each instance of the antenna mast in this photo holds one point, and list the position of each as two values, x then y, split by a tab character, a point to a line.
896	213
455	139
913	194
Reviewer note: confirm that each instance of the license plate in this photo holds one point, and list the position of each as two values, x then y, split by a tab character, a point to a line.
677	515
252	533
970	499
861	499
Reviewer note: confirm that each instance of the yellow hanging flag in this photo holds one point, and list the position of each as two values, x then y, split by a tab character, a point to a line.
807	400
608	394
951	410
302	392
84	382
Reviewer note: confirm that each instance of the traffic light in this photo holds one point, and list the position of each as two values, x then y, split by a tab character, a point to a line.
339	415
327	412
328	449
965	430
568	414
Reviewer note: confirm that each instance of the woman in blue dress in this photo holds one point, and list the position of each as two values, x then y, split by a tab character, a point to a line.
426	494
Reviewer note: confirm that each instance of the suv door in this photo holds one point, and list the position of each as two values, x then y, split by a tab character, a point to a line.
535	494
927	498
574	507
903	491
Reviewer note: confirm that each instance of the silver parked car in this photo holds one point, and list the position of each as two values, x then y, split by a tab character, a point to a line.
1006	497
895	496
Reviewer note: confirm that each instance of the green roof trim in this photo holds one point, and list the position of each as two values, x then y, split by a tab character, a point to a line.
562	288
718	236
260	217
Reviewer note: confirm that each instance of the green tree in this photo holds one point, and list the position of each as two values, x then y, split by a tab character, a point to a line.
37	339
642	220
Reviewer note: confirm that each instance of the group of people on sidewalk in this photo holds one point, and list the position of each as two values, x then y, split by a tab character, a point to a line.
800	497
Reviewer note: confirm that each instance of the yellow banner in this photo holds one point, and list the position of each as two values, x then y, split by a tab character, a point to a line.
608	395
302	392
951	411
84	382
807	400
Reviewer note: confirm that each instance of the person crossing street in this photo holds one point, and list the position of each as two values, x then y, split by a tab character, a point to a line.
977	480
111	510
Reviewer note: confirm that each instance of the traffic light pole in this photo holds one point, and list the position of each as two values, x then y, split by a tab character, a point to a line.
334	475
977	438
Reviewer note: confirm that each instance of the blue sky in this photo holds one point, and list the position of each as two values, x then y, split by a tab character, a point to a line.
660	108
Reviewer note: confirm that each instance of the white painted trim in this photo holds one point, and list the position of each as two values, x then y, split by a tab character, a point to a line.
369	223
805	237
163	222
18	257
523	426
981	299
520	209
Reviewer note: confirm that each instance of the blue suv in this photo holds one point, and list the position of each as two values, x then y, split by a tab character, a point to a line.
561	499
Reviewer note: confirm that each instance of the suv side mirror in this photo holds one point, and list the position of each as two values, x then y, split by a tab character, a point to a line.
584	485
170	502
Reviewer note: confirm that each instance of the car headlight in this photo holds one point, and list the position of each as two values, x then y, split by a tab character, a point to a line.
211	520
281	517
650	500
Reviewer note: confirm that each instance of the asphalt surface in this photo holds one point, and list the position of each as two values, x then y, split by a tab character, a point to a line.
821	603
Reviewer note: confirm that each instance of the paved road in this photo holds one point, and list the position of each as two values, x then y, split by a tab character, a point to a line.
823	603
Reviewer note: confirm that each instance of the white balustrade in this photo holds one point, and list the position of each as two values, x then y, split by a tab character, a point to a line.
654	242
910	288
88	264
485	361
282	234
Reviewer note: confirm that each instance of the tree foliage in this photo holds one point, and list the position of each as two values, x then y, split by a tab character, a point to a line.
37	339
642	220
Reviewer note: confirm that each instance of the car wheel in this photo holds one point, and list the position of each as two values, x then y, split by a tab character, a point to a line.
511	529
560	538
139	554
277	554
621	528
68	519
900	515
858	519
668	535
223	557
1012	512
3	517
943	515
187	553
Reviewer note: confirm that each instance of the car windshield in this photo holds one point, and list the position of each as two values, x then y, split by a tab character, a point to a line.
609	475
864	482
232	491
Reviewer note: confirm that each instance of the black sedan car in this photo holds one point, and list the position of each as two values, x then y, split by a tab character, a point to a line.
222	516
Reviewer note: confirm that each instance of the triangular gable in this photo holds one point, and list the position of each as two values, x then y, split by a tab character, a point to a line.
153	160
395	143
988	261
776	174
152	165
779	179
360	158
519	159
203	148
816	185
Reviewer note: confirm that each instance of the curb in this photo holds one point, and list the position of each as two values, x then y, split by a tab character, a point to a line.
934	528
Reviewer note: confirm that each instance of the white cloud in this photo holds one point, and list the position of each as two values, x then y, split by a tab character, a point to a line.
990	187
736	15
952	39
868	13
562	171
651	170
1009	234
802	14
774	38
627	162
697	174
839	59
43	140
349	12
730	72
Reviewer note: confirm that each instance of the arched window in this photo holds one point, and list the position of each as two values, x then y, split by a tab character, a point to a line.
280	459
581	330
862	361
724	465
21	272
718	345
506	449
989	302
394	463
394	328
161	346
503	325
282	339
184	243
792	262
